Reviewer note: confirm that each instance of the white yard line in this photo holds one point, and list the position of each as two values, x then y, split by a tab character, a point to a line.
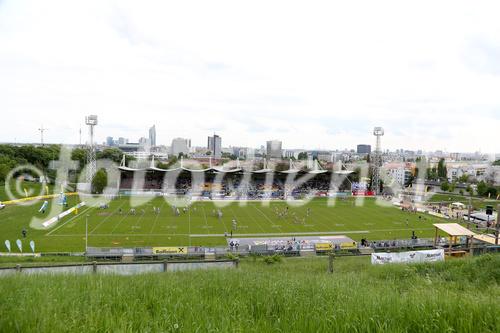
116	226
71	219
317	211
253	218
156	218
189	223
267	217
107	217
205	215
136	224
224	223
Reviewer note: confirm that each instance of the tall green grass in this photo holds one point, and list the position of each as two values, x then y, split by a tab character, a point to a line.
292	295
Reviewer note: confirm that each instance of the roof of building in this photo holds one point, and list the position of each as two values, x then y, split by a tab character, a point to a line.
317	169
485	238
454	229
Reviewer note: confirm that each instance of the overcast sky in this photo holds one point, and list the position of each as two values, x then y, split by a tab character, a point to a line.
312	74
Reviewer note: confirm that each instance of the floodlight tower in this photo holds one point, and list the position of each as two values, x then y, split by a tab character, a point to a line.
41	129
91	121
377	159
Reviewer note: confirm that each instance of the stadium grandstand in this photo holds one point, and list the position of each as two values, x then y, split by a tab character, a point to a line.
235	181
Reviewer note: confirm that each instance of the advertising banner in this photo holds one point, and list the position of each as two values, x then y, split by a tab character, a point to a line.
408	257
323	247
48	196
170	250
348	245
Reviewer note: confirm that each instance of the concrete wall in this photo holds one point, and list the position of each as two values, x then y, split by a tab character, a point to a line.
121	268
188	266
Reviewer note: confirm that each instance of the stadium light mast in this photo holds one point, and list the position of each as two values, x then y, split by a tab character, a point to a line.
41	129
377	159
91	121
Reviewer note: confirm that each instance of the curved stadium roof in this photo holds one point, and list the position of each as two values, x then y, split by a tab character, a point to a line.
317	169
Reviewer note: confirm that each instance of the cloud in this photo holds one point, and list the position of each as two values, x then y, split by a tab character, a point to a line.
483	56
316	75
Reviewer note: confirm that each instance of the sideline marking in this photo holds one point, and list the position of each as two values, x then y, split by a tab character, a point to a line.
71	219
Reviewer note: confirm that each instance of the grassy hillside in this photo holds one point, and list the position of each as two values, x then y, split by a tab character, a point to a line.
295	295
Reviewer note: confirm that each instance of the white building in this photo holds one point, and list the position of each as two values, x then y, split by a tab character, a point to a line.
289	153
401	175
147	154
476	171
400	172
180	145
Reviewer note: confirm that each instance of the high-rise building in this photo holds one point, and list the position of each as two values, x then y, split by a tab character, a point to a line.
152	136
273	149
180	145
364	149
215	145
109	141
122	141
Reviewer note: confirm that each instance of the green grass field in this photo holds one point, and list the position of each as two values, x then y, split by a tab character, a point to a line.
294	295
477	203
199	227
33	189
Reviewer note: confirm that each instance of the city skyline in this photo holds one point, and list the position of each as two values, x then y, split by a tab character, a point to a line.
143	141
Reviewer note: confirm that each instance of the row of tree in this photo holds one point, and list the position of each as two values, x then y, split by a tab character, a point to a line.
41	156
483	189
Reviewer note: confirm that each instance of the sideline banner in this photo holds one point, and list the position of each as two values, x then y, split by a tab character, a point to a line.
170	250
56	218
408	257
48	196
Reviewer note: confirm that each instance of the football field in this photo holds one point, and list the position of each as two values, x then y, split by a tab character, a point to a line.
200	225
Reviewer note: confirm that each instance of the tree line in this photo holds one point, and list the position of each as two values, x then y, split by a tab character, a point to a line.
41	156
